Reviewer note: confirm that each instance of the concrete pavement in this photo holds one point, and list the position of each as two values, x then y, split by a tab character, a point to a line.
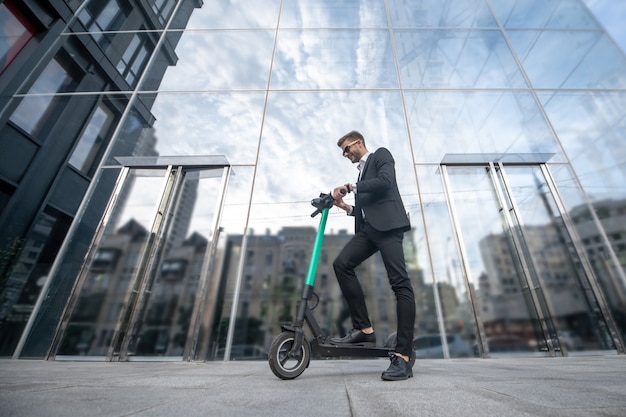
576	386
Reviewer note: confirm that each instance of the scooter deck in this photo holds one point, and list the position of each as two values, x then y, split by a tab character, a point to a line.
328	350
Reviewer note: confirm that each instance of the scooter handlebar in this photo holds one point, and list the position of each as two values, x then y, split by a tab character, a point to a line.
322	202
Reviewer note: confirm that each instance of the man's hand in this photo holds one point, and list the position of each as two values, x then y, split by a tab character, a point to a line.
338	194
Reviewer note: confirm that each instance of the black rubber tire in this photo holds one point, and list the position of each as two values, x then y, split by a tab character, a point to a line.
283	366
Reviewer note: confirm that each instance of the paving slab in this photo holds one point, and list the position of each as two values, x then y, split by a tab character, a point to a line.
572	387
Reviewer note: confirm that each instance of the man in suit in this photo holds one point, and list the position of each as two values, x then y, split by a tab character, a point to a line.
380	223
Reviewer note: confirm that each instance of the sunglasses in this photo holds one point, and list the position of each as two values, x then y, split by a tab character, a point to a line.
346	149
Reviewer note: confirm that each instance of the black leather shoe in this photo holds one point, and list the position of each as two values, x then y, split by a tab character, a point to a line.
398	370
355	338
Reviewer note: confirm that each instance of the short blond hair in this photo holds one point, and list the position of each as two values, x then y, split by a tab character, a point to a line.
354	135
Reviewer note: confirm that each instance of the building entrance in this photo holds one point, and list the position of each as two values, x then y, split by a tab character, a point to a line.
145	286
531	287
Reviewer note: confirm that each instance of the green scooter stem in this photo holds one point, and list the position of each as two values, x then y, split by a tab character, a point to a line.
317	249
310	278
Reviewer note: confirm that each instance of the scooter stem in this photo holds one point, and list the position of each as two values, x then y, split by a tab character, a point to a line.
308	287
317	248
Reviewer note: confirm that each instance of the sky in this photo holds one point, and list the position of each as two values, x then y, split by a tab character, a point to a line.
612	15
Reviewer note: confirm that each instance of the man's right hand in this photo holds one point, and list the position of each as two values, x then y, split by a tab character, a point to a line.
339	192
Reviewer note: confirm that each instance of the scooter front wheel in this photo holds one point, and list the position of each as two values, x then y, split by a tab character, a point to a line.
283	365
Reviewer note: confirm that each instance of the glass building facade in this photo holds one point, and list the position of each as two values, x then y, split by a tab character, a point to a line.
158	159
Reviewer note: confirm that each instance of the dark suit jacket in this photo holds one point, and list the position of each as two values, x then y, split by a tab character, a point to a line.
378	196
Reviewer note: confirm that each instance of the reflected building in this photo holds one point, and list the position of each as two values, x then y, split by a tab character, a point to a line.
275	269
144	143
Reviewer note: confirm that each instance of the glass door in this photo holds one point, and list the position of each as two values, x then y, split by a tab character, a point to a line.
532	291
143	287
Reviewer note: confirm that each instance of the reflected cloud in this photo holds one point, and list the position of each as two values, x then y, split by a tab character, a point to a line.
477	122
440	13
333	14
232	14
321	59
221	60
209	124
595	121
573	59
446	59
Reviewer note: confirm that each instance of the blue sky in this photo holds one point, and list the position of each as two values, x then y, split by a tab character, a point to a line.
612	15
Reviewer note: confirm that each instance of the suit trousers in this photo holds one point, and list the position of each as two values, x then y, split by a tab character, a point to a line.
366	242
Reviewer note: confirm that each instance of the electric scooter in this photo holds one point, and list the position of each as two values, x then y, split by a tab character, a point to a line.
290	352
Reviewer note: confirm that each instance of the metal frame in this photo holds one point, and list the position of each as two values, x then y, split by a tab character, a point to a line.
129	321
84	270
592	280
541	303
200	304
482	339
523	252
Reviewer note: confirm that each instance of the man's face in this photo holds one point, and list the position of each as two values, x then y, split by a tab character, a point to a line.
352	149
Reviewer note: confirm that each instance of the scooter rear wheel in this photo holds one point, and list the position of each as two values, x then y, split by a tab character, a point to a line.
281	364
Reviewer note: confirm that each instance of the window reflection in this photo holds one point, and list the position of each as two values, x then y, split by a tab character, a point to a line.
203	124
33	112
333	14
592	129
440	13
219	60
437	58
134	60
228	14
541	13
163	9
103	16
477	122
334	59
27	277
15	32
86	154
572	59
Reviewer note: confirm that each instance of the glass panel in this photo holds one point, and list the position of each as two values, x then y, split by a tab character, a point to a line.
333	14
446	58
136	136
89	148
458	317
99	17
111	276
477	122
558	272
135	58
541	13
227	14
592	128
172	295
222	279
603	244
45	325
33	112
193	124
334	59
440	13
15	32
495	270
24	282
557	59
216	60
163	9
